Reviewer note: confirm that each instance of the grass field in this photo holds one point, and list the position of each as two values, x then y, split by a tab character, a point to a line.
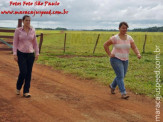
79	59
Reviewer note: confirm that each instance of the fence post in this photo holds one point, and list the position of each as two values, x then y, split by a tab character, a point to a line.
41	40
65	43
96	43
19	22
144	43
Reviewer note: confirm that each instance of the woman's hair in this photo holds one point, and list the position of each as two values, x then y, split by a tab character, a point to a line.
123	23
25	17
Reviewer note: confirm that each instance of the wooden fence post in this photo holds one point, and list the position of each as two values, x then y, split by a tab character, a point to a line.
96	43
144	43
41	40
65	43
19	22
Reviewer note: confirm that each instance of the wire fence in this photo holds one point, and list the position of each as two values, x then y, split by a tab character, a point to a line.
92	43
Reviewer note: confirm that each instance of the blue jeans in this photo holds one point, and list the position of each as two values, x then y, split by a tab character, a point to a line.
120	69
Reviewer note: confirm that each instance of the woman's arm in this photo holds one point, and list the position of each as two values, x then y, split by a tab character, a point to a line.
35	46
15	41
15	44
135	49
106	47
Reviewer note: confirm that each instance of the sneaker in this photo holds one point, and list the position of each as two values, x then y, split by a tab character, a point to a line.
124	96
17	92
112	90
27	95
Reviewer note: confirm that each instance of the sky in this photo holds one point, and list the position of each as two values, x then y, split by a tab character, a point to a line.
88	14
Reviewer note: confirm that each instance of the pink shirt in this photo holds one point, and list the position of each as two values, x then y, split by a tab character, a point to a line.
121	48
25	42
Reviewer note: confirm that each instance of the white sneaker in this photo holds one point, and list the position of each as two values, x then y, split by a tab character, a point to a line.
17	92
27	95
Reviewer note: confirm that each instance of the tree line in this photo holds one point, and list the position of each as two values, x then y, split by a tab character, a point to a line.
150	29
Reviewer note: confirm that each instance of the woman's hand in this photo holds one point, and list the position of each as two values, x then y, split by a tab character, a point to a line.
139	56
36	57
16	58
111	55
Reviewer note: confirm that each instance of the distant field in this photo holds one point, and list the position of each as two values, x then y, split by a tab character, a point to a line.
83	42
80	60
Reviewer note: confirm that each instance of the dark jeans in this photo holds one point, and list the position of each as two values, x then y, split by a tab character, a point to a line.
25	62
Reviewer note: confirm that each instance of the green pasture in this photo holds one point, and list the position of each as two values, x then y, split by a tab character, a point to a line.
83	42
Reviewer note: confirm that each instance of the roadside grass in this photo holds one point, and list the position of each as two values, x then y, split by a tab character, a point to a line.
140	77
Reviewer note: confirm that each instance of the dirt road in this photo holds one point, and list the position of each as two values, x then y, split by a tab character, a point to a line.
59	97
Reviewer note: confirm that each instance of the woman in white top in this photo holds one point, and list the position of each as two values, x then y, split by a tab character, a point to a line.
119	57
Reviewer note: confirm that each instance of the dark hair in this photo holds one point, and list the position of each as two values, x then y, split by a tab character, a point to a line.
25	17
123	23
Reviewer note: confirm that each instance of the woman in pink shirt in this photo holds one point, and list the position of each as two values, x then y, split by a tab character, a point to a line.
119	57
25	51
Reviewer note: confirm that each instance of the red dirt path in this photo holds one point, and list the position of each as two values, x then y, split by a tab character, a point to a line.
60	97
